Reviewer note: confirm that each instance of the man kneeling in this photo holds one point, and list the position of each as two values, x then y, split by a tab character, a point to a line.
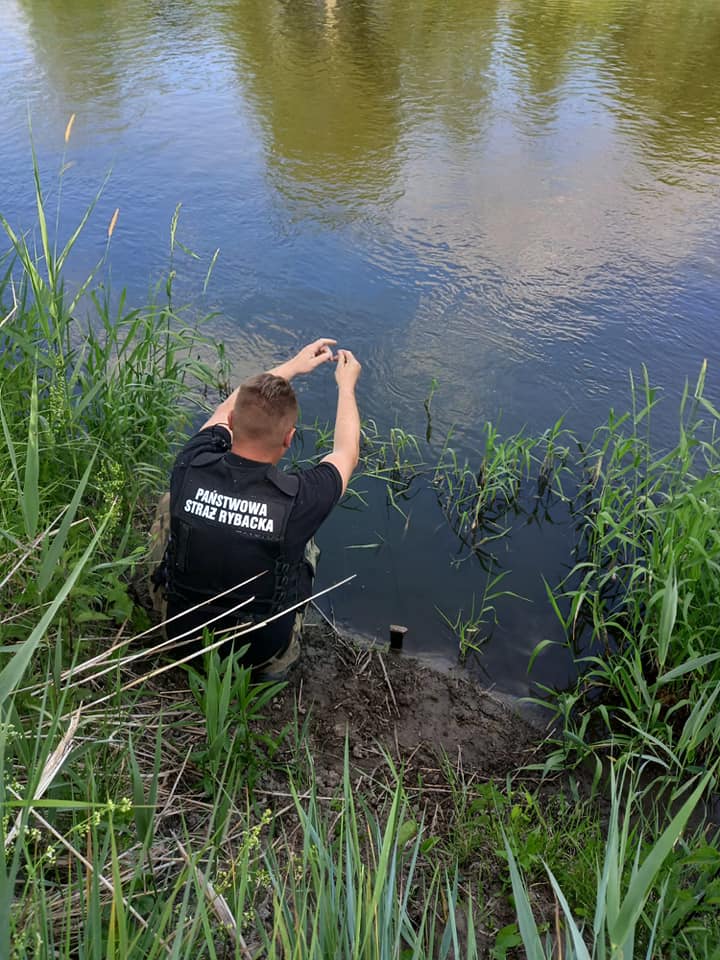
234	514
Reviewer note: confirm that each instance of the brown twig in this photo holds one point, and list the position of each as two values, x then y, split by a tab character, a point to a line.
557	929
389	685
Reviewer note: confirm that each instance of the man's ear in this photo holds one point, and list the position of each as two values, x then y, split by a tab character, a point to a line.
230	420
287	439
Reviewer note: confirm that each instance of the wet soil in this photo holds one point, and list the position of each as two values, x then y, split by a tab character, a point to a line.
382	701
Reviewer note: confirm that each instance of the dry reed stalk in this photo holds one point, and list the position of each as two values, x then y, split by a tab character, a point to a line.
49	772
103	881
173	791
33	547
389	685
113	222
102	657
218	904
24	613
8	316
241	632
326	618
289	796
165	645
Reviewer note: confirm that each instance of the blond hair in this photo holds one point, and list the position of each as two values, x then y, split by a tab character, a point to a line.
265	410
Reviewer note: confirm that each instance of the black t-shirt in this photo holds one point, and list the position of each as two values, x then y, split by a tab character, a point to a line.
319	489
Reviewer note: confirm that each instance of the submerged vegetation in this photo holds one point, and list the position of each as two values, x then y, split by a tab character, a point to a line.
140	820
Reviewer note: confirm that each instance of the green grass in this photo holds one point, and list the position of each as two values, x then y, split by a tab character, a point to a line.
552	827
641	607
232	707
637	899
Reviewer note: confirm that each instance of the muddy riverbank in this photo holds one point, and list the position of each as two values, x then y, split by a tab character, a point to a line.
384	701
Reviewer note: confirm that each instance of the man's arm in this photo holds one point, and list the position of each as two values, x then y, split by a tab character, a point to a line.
305	361
346	441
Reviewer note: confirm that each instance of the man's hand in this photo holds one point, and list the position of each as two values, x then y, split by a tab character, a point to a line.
305	360
348	369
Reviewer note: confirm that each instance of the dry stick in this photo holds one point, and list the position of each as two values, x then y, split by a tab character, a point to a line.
433	825
439	789
181	639
387	681
289	796
24	613
52	765
120	630
171	643
557	929
86	863
326	618
362	662
11	314
218	904
292	806
171	797
33	546
214	646
412	755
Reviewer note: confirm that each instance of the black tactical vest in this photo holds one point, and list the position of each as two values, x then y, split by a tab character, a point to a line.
227	525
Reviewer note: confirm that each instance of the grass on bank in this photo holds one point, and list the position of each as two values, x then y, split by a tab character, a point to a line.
641	606
122	837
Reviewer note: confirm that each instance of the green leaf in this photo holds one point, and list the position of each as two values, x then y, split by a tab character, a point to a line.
47	568
581	951
41	220
633	904
526	920
210	270
30	499
688	667
506	939
668	613
537	651
78	230
407	831
13	672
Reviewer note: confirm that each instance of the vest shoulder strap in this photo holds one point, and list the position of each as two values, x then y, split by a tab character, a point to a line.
206	458
287	483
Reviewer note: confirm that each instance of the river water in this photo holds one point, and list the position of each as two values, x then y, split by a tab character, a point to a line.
518	198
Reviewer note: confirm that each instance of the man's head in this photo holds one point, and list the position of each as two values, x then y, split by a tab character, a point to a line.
262	421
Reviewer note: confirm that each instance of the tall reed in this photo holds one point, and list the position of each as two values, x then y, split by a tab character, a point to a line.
643	600
94	397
